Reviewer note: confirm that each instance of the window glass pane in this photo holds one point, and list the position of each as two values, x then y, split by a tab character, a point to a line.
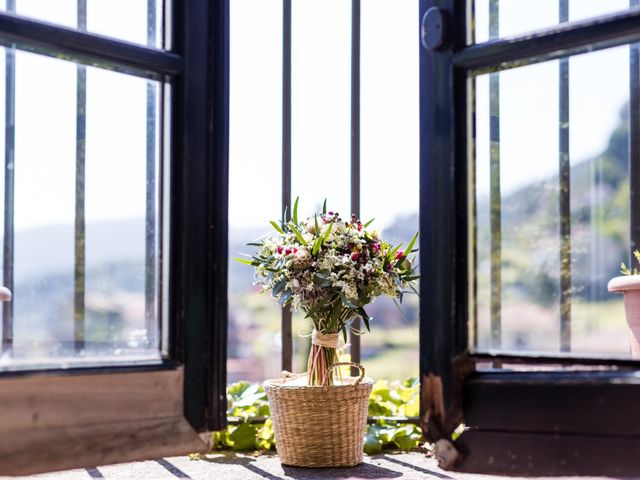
389	164
255	157
551	234
138	21
517	17
85	265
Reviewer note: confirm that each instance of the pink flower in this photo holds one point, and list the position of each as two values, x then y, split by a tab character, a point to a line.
287	251
375	247
399	254
280	249
355	257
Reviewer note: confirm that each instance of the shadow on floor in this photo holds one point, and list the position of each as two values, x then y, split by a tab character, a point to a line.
364	470
426	471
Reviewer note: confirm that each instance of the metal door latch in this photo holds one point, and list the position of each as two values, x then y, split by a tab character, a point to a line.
434	29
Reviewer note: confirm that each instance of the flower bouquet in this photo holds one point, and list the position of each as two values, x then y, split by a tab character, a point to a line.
331	269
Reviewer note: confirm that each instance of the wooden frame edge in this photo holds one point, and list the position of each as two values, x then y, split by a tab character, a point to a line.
54	423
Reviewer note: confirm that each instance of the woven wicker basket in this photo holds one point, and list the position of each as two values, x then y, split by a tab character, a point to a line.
320	426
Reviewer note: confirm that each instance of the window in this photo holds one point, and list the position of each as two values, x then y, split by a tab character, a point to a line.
528	148
114	202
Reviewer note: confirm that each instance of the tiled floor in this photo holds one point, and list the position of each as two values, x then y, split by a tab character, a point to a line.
223	466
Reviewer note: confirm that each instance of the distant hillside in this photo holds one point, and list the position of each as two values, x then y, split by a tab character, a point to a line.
599	227
49	250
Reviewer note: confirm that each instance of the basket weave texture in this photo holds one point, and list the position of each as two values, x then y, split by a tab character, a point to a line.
320	426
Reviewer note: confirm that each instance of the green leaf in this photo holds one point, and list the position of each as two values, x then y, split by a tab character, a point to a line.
393	252
412	242
365	317
317	244
412	408
344	333
277	227
326	234
244	437
263	411
249	400
246	261
237	389
254	244
324	207
411	278
372	444
378	409
297	234
315	220
295	211
368	223
405	439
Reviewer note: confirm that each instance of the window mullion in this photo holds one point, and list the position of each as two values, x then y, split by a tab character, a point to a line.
495	190
634	145
151	266
9	182
564	197
355	151
79	329
287	331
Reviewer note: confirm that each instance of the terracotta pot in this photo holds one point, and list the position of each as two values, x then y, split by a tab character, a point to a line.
629	285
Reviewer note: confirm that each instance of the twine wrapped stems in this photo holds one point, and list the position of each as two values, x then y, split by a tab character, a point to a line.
322	356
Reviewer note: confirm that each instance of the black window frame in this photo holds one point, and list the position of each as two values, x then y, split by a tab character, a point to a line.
517	422
196	72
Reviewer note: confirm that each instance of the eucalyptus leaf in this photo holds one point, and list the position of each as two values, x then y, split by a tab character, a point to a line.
278	287
285	298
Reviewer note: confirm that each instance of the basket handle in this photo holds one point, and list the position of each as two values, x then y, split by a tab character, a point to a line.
327	374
